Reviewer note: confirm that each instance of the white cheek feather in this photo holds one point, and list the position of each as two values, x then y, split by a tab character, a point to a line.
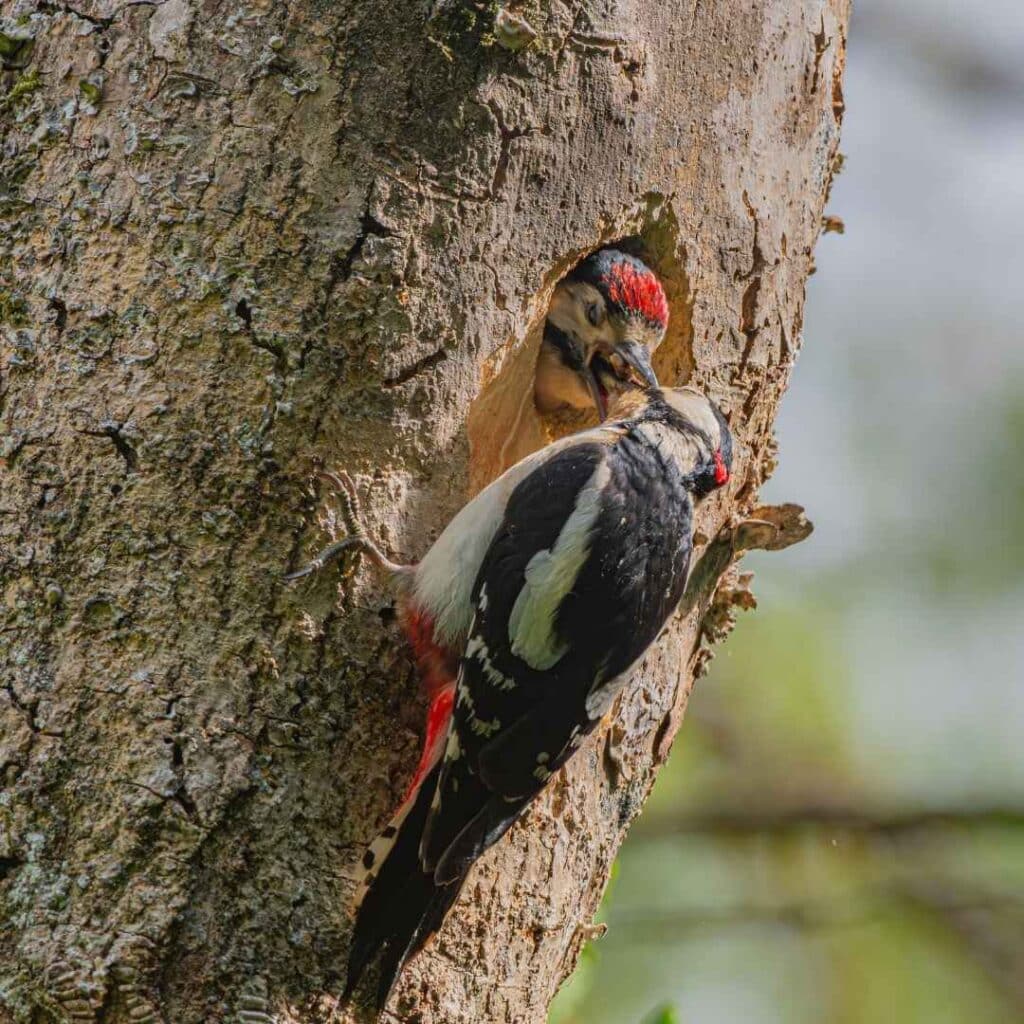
556	384
550	575
695	407
443	581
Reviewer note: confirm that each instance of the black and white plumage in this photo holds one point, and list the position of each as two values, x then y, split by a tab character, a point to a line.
587	551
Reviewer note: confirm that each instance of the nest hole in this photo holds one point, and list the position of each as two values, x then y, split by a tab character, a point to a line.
504	424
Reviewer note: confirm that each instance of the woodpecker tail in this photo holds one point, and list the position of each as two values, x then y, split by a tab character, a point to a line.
402	905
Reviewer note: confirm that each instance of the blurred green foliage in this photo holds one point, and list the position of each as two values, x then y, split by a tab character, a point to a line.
664	1015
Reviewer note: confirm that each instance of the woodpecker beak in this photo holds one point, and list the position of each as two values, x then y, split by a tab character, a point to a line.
638	359
625	364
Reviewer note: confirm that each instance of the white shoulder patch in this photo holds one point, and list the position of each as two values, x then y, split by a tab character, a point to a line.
550	575
443	581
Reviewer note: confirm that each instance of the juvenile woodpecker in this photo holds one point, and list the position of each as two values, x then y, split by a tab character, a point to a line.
605	320
552	583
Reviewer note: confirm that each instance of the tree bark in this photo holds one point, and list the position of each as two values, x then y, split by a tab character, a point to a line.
244	241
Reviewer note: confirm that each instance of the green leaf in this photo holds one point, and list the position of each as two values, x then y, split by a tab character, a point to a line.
666	1014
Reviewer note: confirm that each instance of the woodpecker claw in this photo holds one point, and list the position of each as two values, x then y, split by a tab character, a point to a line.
344	490
329	553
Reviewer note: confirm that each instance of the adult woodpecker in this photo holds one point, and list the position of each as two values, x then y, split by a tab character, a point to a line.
606	318
566	568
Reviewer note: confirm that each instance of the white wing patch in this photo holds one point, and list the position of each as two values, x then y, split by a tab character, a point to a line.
483	727
443	580
453	749
550	575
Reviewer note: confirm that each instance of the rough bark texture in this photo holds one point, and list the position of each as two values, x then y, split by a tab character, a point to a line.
239	241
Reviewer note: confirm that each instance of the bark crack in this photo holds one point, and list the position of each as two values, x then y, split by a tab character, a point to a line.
115	432
406	375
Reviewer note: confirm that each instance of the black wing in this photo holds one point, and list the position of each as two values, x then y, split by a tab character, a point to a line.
519	714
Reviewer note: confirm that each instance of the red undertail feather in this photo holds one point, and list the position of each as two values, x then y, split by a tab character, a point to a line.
437	664
438	668
438	716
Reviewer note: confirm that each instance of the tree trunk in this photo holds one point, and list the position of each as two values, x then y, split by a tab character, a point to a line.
242	242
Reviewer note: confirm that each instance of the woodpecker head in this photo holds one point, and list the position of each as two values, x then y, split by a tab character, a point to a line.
705	422
606	318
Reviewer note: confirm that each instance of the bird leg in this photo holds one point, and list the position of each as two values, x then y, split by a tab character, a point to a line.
356	540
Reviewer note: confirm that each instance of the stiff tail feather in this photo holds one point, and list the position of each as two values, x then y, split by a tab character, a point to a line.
415	870
402	905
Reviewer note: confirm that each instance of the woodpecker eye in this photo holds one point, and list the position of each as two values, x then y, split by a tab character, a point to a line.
595	314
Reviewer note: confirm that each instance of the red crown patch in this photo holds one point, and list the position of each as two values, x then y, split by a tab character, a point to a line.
638	291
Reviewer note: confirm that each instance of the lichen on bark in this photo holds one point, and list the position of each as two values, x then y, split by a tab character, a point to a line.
241	242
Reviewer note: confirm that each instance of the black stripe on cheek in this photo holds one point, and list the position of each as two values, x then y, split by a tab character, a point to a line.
565	344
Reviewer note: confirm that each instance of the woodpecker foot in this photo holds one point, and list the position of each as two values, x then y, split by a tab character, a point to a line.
347	497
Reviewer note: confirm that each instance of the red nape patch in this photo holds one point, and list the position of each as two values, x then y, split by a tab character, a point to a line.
721	473
638	291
